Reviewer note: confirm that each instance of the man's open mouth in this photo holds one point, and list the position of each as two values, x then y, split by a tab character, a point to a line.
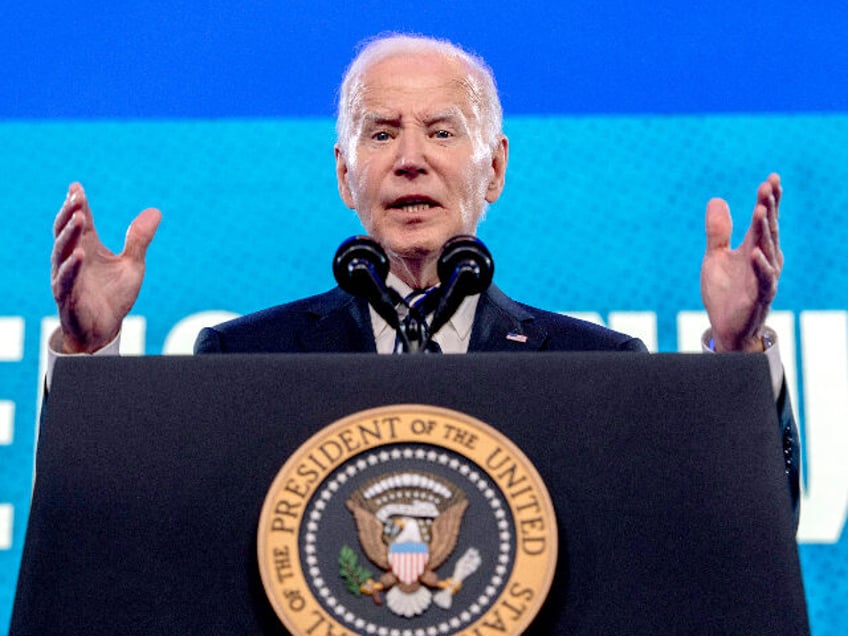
413	205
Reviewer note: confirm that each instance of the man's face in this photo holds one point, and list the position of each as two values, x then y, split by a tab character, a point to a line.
416	169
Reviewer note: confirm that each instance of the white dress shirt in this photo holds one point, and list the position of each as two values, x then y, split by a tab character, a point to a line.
452	338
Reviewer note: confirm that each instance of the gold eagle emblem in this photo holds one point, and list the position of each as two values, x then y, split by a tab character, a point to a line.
408	524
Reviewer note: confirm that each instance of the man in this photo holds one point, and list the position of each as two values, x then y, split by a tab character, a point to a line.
420	154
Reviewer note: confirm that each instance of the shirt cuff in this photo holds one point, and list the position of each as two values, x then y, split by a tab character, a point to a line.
772	353
54	346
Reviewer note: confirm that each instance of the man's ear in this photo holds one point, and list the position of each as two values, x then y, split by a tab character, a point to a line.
342	175
500	157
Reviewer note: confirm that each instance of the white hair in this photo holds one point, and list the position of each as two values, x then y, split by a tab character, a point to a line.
481	83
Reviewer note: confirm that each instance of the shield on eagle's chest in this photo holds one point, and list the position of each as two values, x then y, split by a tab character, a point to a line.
408	560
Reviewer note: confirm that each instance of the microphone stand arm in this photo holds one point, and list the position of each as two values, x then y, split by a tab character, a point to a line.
455	291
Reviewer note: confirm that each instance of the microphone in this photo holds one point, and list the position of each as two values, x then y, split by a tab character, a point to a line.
360	267
465	268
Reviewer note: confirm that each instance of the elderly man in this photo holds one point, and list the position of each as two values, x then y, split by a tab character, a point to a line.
420	155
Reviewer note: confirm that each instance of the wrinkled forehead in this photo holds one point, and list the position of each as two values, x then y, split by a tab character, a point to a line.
417	85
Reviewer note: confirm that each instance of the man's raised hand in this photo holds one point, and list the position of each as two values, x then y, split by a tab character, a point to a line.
738	286
95	289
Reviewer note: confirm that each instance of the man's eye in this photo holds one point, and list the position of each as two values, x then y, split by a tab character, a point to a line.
443	134
380	136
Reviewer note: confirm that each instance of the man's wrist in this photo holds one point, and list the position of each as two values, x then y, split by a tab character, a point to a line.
54	351
771	349
767	339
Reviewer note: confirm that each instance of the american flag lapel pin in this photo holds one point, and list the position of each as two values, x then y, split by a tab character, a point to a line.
516	337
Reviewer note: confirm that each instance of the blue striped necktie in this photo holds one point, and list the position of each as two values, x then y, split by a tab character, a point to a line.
419	304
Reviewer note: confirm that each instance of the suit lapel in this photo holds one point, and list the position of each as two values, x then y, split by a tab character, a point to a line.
501	324
340	323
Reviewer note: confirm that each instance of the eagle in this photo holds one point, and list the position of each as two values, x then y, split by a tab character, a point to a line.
408	541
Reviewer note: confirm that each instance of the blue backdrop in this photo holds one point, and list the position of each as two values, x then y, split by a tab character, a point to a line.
623	120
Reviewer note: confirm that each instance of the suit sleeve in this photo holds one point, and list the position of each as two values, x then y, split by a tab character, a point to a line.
791	448
633	344
208	341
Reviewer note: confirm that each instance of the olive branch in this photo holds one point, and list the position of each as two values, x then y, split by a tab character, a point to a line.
353	574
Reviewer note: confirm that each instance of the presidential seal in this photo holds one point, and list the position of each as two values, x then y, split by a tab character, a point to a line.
407	520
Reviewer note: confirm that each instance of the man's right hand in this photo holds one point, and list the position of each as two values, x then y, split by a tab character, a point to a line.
95	289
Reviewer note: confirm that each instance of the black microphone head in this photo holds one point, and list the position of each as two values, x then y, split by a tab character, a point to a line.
352	259
469	253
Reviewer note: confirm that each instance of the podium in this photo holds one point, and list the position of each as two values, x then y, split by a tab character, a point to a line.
665	472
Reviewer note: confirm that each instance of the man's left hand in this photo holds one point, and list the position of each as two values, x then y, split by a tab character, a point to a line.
738	286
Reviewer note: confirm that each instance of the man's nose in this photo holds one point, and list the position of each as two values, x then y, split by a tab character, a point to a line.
411	157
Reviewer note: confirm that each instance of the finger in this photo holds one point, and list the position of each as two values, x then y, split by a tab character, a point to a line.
777	188
774	216
66	275
719	224
768	195
66	241
775	255
140	233
767	278
74	201
763	234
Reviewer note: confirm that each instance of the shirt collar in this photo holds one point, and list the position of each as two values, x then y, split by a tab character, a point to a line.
461	321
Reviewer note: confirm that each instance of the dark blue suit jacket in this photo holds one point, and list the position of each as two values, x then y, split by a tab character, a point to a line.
336	322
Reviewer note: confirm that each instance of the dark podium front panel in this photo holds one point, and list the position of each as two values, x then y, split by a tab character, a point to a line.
665	472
